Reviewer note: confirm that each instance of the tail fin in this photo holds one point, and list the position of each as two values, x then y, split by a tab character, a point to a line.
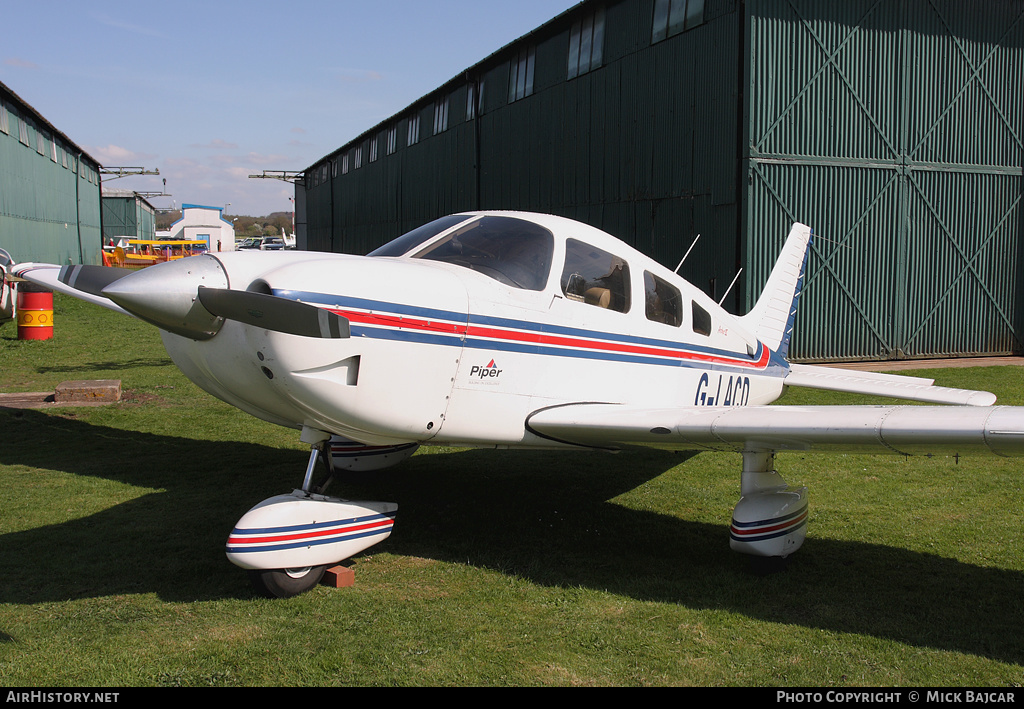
771	318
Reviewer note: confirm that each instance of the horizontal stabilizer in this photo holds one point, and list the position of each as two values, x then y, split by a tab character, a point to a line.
888	385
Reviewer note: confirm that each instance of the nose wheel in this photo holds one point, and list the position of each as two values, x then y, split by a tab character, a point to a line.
285	583
287	542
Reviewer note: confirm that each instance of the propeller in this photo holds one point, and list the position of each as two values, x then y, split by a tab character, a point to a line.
273	313
192	298
91	279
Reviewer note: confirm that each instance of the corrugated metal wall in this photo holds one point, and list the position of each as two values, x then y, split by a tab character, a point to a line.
894	128
644	146
119	218
49	192
127	216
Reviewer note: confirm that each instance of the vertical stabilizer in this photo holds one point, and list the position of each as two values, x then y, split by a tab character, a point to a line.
771	318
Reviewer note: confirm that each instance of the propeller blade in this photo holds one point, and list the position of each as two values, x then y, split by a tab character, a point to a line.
91	279
273	313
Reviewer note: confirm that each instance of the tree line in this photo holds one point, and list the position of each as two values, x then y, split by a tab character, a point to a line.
274	224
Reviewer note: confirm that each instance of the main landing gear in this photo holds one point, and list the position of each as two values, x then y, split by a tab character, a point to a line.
770	520
288	541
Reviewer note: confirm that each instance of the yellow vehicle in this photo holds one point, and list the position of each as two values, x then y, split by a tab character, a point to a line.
146	252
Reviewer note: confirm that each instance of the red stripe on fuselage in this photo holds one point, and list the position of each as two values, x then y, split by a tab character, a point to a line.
401	322
537	338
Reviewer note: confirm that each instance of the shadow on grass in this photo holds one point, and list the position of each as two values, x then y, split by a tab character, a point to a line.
540	516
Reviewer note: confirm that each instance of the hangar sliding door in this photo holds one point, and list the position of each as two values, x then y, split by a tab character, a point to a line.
894	129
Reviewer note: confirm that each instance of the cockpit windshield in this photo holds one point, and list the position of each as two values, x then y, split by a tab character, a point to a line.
410	240
512	251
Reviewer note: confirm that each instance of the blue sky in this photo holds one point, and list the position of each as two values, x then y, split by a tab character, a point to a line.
211	92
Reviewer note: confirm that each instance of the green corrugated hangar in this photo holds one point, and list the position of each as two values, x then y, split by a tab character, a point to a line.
892	127
49	190
126	215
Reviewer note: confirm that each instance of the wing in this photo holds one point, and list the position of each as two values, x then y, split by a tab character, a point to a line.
907	430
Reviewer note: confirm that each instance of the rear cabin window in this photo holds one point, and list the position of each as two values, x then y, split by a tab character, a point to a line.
701	320
662	301
595	277
512	251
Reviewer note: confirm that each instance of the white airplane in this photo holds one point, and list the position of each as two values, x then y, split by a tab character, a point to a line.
509	330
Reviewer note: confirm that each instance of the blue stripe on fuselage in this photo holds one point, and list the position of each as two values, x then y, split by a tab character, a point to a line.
777	366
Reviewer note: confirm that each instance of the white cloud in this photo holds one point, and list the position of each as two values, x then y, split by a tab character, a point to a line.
117	156
216	144
144	30
357	76
20	63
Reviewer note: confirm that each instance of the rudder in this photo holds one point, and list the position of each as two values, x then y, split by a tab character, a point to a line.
771	318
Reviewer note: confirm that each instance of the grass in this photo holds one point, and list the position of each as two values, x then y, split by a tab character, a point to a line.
505	568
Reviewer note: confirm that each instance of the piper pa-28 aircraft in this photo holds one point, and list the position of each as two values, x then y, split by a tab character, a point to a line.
509	329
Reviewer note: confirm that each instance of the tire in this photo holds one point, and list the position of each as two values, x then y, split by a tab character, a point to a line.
285	583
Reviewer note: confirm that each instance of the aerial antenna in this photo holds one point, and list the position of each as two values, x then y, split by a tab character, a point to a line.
284	175
688	252
730	286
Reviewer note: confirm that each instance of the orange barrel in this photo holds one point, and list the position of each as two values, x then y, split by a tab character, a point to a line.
35	313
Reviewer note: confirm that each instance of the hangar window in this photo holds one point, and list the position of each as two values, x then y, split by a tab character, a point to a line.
474	99
586	44
373	149
520	77
22	131
4	125
392	140
674	16
414	130
512	251
662	301
344	164
701	320
595	277
441	115
357	159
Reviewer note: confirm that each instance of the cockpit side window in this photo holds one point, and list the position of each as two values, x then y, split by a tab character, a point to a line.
512	251
410	240
663	302
595	277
